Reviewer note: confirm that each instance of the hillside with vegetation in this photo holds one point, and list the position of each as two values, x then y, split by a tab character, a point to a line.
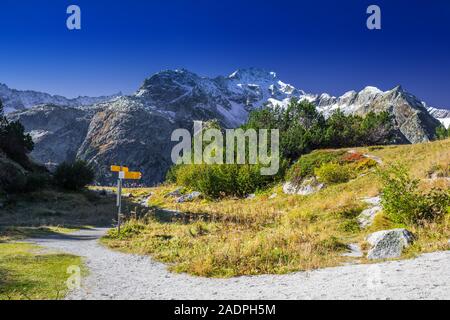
318	213
342	179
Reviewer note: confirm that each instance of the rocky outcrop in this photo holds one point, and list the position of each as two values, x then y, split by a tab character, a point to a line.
306	187
132	135
388	243
189	197
367	216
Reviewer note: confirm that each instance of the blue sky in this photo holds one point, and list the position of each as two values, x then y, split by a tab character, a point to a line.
318	46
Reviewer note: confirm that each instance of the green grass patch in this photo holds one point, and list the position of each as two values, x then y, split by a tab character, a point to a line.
28	273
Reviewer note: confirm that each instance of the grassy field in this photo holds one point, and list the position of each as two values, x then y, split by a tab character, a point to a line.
276	234
28	271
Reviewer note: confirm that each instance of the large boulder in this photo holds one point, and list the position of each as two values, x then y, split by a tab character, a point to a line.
388	243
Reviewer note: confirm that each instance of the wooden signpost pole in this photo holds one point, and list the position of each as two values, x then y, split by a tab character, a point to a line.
123	174
119	201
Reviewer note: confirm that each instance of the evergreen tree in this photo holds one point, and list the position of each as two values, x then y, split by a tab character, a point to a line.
442	133
13	139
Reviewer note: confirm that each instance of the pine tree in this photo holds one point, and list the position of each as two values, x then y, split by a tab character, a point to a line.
3	121
442	133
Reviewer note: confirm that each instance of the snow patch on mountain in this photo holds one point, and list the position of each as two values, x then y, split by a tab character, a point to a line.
443	115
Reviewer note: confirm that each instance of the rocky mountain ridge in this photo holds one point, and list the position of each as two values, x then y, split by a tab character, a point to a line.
135	130
14	100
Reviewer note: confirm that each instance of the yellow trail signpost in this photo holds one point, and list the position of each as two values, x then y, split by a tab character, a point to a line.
124	173
119	169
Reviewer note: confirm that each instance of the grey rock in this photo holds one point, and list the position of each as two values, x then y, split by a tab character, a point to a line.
389	243
367	216
251	196
289	188
354	251
307	187
174	193
374	201
365	219
273	196
145	201
189	197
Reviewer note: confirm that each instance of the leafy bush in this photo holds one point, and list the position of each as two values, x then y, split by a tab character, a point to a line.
222	179
306	165
331	173
404	203
73	176
364	165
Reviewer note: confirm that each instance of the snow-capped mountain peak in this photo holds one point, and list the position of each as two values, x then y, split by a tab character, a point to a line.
249	75
443	115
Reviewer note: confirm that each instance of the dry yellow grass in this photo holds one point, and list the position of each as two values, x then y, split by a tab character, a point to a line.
282	234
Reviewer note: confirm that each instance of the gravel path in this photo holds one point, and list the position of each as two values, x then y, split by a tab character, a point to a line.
115	275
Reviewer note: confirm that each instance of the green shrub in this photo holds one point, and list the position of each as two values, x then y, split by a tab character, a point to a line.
306	165
404	203
73	176
128	230
331	173
364	165
221	180
442	133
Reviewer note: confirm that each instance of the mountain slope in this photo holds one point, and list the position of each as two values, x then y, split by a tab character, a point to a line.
135	130
442	115
14	100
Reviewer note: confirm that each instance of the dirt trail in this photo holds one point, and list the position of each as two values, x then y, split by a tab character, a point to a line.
115	275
